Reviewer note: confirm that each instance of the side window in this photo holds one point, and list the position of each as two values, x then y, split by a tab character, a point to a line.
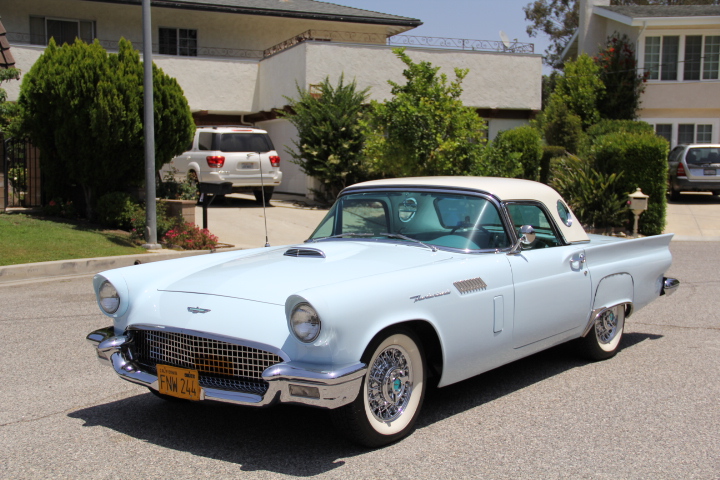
675	154
533	215
205	141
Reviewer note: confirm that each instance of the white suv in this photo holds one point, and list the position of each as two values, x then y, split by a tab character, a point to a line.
244	156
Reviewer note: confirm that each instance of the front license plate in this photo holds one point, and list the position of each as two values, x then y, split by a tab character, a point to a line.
179	382
247	166
710	171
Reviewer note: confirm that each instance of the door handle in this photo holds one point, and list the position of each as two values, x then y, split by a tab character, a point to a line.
576	263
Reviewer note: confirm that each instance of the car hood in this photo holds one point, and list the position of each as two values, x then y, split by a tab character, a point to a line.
271	276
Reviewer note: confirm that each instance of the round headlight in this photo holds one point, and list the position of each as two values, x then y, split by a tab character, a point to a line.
108	297
305	322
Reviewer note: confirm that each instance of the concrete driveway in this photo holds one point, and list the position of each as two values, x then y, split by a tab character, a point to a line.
238	220
695	216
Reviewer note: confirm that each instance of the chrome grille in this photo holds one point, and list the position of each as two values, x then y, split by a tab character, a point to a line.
220	364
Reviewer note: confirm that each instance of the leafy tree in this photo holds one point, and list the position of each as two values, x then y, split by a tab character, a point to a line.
7	109
572	106
558	19
83	108
330	137
424	129
623	86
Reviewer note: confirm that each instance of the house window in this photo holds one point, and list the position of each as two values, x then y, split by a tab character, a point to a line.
63	30
688	58
178	41
704	134
664	130
711	58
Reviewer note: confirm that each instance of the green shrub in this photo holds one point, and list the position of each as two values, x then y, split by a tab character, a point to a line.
546	162
171	189
643	158
497	162
526	141
115	210
560	126
596	198
138	222
57	207
606	127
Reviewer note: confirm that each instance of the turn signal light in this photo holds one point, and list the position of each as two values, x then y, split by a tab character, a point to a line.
274	160
681	170
215	161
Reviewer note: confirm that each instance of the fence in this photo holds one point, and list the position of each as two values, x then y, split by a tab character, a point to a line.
21	173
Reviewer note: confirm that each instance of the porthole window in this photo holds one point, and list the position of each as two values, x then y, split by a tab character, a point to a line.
564	213
407	209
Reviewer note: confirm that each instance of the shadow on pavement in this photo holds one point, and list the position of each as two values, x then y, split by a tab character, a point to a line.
301	441
696	199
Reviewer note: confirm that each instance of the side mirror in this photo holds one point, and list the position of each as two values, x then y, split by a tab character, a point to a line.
527	237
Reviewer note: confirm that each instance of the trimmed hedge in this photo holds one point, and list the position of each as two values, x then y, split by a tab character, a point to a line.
526	141
643	159
606	127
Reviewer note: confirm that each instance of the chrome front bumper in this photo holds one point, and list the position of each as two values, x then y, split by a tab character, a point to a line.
288	382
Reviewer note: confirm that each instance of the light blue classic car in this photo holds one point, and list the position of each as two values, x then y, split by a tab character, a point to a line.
405	282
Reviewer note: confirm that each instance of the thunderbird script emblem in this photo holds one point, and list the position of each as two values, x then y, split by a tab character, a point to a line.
198	310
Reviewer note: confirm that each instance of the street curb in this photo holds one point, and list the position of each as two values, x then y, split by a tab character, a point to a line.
85	266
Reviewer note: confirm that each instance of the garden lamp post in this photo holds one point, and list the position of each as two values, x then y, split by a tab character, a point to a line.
638	203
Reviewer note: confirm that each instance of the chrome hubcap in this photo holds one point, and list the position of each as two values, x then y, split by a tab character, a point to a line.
389	384
606	326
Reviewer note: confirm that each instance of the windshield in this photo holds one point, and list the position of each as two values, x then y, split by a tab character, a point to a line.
440	219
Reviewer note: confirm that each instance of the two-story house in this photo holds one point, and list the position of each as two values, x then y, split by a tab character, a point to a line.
678	51
238	60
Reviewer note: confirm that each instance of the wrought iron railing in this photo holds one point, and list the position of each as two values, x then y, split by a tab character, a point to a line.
379	39
462	44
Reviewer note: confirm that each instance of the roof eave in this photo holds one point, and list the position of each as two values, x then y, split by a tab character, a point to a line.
409	23
657	21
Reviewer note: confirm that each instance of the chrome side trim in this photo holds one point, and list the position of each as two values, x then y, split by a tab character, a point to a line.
670	286
337	386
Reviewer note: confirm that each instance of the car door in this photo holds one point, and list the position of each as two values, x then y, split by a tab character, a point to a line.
551	282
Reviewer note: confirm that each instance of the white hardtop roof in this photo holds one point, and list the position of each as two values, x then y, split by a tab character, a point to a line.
505	189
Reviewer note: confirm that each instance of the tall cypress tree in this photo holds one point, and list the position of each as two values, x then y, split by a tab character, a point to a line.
83	108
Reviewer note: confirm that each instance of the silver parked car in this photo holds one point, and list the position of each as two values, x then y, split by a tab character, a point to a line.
694	168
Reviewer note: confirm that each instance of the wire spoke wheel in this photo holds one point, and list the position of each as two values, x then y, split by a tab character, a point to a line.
390	398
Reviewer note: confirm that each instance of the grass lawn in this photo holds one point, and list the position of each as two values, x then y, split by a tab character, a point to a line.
29	239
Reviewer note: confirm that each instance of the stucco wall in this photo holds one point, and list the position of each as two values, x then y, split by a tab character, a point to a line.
495	80
25	57
215	85
681	95
283	133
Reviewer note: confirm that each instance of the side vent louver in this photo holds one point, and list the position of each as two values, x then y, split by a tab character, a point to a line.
471	285
305	252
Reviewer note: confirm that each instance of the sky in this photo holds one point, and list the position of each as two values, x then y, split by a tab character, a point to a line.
470	19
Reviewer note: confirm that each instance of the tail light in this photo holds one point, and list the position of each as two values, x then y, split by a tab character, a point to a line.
215	161
681	170
274	160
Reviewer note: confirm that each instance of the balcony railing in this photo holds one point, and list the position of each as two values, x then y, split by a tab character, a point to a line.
324	36
379	39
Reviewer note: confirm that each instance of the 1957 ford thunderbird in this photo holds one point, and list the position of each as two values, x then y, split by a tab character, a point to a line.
405	281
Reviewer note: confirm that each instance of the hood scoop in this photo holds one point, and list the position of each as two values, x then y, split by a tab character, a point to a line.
304	252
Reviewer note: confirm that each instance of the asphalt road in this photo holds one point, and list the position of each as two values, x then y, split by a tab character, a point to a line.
652	412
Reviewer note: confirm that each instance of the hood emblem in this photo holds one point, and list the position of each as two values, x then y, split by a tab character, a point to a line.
198	310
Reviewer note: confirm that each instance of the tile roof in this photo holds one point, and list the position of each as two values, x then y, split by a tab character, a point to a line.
6	58
284	8
660	11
